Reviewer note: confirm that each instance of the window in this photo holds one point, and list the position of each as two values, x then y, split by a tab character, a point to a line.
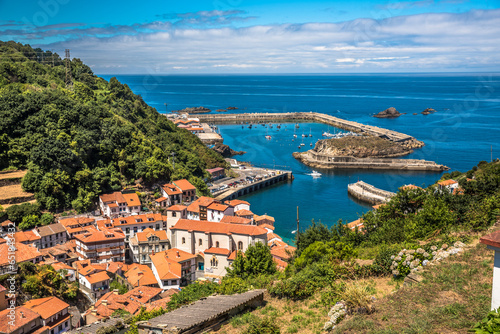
162	247
174	282
240	245
217	244
201	265
200	242
127	230
144	258
214	262
174	214
157	226
157	248
143	248
183	240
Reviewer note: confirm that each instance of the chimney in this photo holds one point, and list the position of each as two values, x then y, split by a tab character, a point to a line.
94	312
178	254
115	291
104	302
140	273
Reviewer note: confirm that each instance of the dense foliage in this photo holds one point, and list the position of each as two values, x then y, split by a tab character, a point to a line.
91	137
257	260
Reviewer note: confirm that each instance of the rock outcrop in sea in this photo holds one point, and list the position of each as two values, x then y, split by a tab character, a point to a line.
388	113
194	110
361	147
428	111
226	151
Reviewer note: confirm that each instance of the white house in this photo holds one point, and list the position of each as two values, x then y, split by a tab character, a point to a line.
492	241
115	204
173	268
216	211
132	224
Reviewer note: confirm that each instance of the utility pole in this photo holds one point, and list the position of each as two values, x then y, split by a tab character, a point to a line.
166	107
69	81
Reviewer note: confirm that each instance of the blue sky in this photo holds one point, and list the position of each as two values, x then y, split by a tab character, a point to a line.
274	36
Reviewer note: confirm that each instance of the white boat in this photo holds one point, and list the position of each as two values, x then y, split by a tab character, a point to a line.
268	137
302	144
315	174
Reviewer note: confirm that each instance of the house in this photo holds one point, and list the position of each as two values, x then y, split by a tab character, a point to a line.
101	246
148	242
23	253
76	225
117	203
94	283
238	204
173	268
221	240
492	241
140	275
449	185
53	312
65	253
133	224
188	190
66	271
281	252
3	298
132	302
409	187
27	322
28	238
197	210
216	211
244	213
51	235
176	192
5	225
264	219
358	223
216	173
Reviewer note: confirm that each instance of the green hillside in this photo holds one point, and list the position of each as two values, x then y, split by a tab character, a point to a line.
92	137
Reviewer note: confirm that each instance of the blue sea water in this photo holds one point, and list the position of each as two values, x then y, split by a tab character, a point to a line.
463	131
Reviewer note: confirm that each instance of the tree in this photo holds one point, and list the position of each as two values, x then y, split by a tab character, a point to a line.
257	260
29	222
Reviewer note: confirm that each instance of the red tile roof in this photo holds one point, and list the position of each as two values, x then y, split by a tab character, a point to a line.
26	236
243	212
203	201
220	251
177	208
447	182
94	235
131	220
97	277
140	274
171	189
410	187
132	199
76	222
213	170
221	228
267	226
165	267
232	256
144	235
263	217
161	199
113	197
218	207
23	317
46	307
23	253
184	185
236	202
235	220
2	241
178	255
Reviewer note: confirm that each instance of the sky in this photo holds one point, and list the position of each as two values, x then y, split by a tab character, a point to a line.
262	36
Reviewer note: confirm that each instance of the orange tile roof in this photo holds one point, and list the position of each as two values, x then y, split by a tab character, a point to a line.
378	206
220	251
280	264
267	226
115	266
143	294
23	317
131	220
161	199
221	228
232	256
23	253
157	304
357	223
144	235
458	191
177	208
271	236
26	236
184	185
447	182
203	201
132	199
259	218
178	255
492	239
97	277
171	189
6	223
216	169
283	252
244	212
94	235
140	274
165	267
2	241
236	202
235	220
61	266
76	222
46	307
113	197
218	207
410	187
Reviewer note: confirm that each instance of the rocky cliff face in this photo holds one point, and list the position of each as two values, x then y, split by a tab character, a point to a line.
361	147
226	151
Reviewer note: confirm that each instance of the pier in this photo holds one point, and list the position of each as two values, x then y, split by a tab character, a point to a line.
308	117
367	193
272	177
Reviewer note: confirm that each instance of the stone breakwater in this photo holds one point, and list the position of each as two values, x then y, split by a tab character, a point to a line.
367	193
318	160
401	138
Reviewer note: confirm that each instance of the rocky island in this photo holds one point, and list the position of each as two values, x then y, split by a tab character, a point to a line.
428	111
388	113
191	110
226	151
365	152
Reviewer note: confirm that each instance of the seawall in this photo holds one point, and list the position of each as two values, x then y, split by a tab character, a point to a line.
367	193
310	117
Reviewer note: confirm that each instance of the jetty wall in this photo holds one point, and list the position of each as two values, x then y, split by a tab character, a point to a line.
367	193
307	117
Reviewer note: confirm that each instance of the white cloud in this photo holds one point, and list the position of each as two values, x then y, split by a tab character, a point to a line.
425	42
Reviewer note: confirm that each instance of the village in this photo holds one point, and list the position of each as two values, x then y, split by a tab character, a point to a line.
153	253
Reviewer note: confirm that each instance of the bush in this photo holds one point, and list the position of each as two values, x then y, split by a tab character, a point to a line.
490	324
232	285
17	212
262	326
408	259
357	296
383	258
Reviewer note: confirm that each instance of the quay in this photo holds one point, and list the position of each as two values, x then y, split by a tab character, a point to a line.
266	179
306	117
203	315
367	193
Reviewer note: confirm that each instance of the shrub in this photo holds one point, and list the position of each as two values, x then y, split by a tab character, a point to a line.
232	285
262	326
406	260
383	258
490	324
357	296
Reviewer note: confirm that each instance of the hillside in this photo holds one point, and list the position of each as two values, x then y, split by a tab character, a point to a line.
86	138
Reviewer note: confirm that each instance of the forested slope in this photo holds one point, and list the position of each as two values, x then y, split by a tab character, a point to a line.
93	137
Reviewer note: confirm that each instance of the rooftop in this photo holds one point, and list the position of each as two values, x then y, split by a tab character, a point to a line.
23	253
144	235
221	228
447	182
50	229
23	317
177	208
26	236
235	202
46	307
97	277
492	239
184	185
218	207
140	274
203	201
117	196
244	212
94	235
235	220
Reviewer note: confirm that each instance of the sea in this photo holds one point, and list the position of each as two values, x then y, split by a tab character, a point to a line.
464	130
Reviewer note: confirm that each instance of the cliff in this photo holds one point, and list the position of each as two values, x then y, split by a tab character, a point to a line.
388	113
361	147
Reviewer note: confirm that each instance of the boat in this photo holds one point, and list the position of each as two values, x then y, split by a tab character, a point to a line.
310	134
311	144
296	125
268	137
302	144
315	174
303	135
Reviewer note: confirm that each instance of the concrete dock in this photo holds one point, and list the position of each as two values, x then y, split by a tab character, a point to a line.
367	193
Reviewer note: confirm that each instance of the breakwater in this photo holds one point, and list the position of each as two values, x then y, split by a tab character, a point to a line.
311	117
367	193
318	160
